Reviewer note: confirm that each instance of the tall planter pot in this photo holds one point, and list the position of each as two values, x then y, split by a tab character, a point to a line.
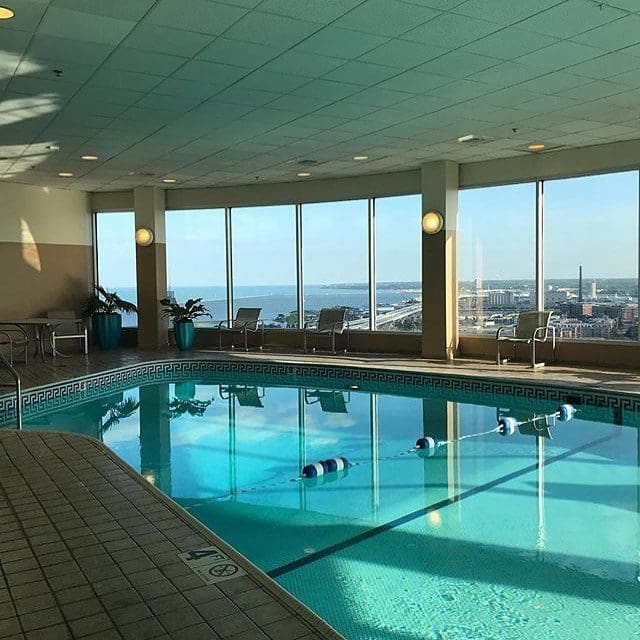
184	333
107	328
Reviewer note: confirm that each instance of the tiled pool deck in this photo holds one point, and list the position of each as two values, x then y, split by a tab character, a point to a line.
88	549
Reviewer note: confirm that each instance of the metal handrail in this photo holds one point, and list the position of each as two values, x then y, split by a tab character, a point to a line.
16	377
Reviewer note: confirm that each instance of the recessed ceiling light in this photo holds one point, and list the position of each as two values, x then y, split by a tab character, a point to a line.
468	138
303	174
536	146
360	157
66	174
169	180
6	13
89	157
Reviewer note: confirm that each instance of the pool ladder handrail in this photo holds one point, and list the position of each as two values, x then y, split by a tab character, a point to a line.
18	385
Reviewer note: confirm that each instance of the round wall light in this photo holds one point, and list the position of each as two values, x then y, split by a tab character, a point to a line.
144	237
432	222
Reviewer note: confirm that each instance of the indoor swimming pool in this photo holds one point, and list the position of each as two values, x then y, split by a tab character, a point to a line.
487	537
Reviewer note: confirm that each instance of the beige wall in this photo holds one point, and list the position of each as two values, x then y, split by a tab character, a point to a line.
45	249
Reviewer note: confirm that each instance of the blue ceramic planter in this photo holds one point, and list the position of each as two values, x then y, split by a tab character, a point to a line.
184	332
107	328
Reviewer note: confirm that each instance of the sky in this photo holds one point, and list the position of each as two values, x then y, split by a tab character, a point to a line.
591	221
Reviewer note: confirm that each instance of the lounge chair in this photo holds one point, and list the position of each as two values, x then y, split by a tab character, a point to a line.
331	322
72	329
246	322
533	327
330	401
246	396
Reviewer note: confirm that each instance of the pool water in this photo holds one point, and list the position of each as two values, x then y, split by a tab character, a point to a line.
534	535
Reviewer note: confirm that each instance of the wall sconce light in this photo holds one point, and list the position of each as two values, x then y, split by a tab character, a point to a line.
144	237
432	222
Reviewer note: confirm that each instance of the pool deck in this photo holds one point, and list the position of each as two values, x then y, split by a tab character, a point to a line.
89	549
60	369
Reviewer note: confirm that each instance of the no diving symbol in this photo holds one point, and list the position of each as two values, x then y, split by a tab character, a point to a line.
223	570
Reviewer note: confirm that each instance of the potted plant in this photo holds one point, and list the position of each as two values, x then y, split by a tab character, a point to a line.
103	307
195	408
182	316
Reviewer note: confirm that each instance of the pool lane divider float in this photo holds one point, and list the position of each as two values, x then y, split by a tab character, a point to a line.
507	426
324	471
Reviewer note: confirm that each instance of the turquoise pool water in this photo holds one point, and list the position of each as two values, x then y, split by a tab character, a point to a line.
492	538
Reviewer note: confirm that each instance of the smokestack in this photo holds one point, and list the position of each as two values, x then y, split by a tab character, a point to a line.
580	284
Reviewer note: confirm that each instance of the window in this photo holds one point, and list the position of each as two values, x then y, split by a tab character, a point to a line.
335	259
116	257
591	228
496	256
196	259
398	263
264	263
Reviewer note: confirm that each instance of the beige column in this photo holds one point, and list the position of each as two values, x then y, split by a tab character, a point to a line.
439	262
151	268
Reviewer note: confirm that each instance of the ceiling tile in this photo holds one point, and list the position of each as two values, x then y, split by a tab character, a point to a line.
301	63
240	95
557	56
510	43
202	16
341	43
14	40
402	54
615	35
571	18
363	73
385	17
504	12
181	103
144	61
266	28
210	72
240	54
327	89
118	79
129	10
449	28
76	25
605	66
268	81
507	74
458	64
151	37
321	12
49	47
181	87
415	82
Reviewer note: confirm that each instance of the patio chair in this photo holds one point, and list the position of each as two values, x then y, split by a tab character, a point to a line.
330	401
246	322
14	337
533	327
331	322
246	396
72	329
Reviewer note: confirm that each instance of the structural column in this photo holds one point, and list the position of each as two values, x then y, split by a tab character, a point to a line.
151	268
439	262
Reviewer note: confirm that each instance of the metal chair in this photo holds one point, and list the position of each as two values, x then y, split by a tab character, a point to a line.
72	329
330	401
246	321
331	322
12	337
246	396
533	327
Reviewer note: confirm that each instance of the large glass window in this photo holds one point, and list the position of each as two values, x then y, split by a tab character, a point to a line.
591	255
496	256
264	262
335	259
196	259
116	257
398	263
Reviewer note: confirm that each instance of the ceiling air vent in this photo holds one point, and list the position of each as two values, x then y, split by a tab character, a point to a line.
472	138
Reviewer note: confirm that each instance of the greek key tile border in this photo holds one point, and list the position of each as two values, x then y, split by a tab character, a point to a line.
40	400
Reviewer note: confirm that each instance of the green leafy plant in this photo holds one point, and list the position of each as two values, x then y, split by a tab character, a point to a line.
196	408
187	312
105	302
115	412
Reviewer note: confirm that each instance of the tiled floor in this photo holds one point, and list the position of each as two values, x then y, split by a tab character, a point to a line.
89	550
37	373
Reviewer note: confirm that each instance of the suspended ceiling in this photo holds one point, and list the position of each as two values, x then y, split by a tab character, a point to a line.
234	92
